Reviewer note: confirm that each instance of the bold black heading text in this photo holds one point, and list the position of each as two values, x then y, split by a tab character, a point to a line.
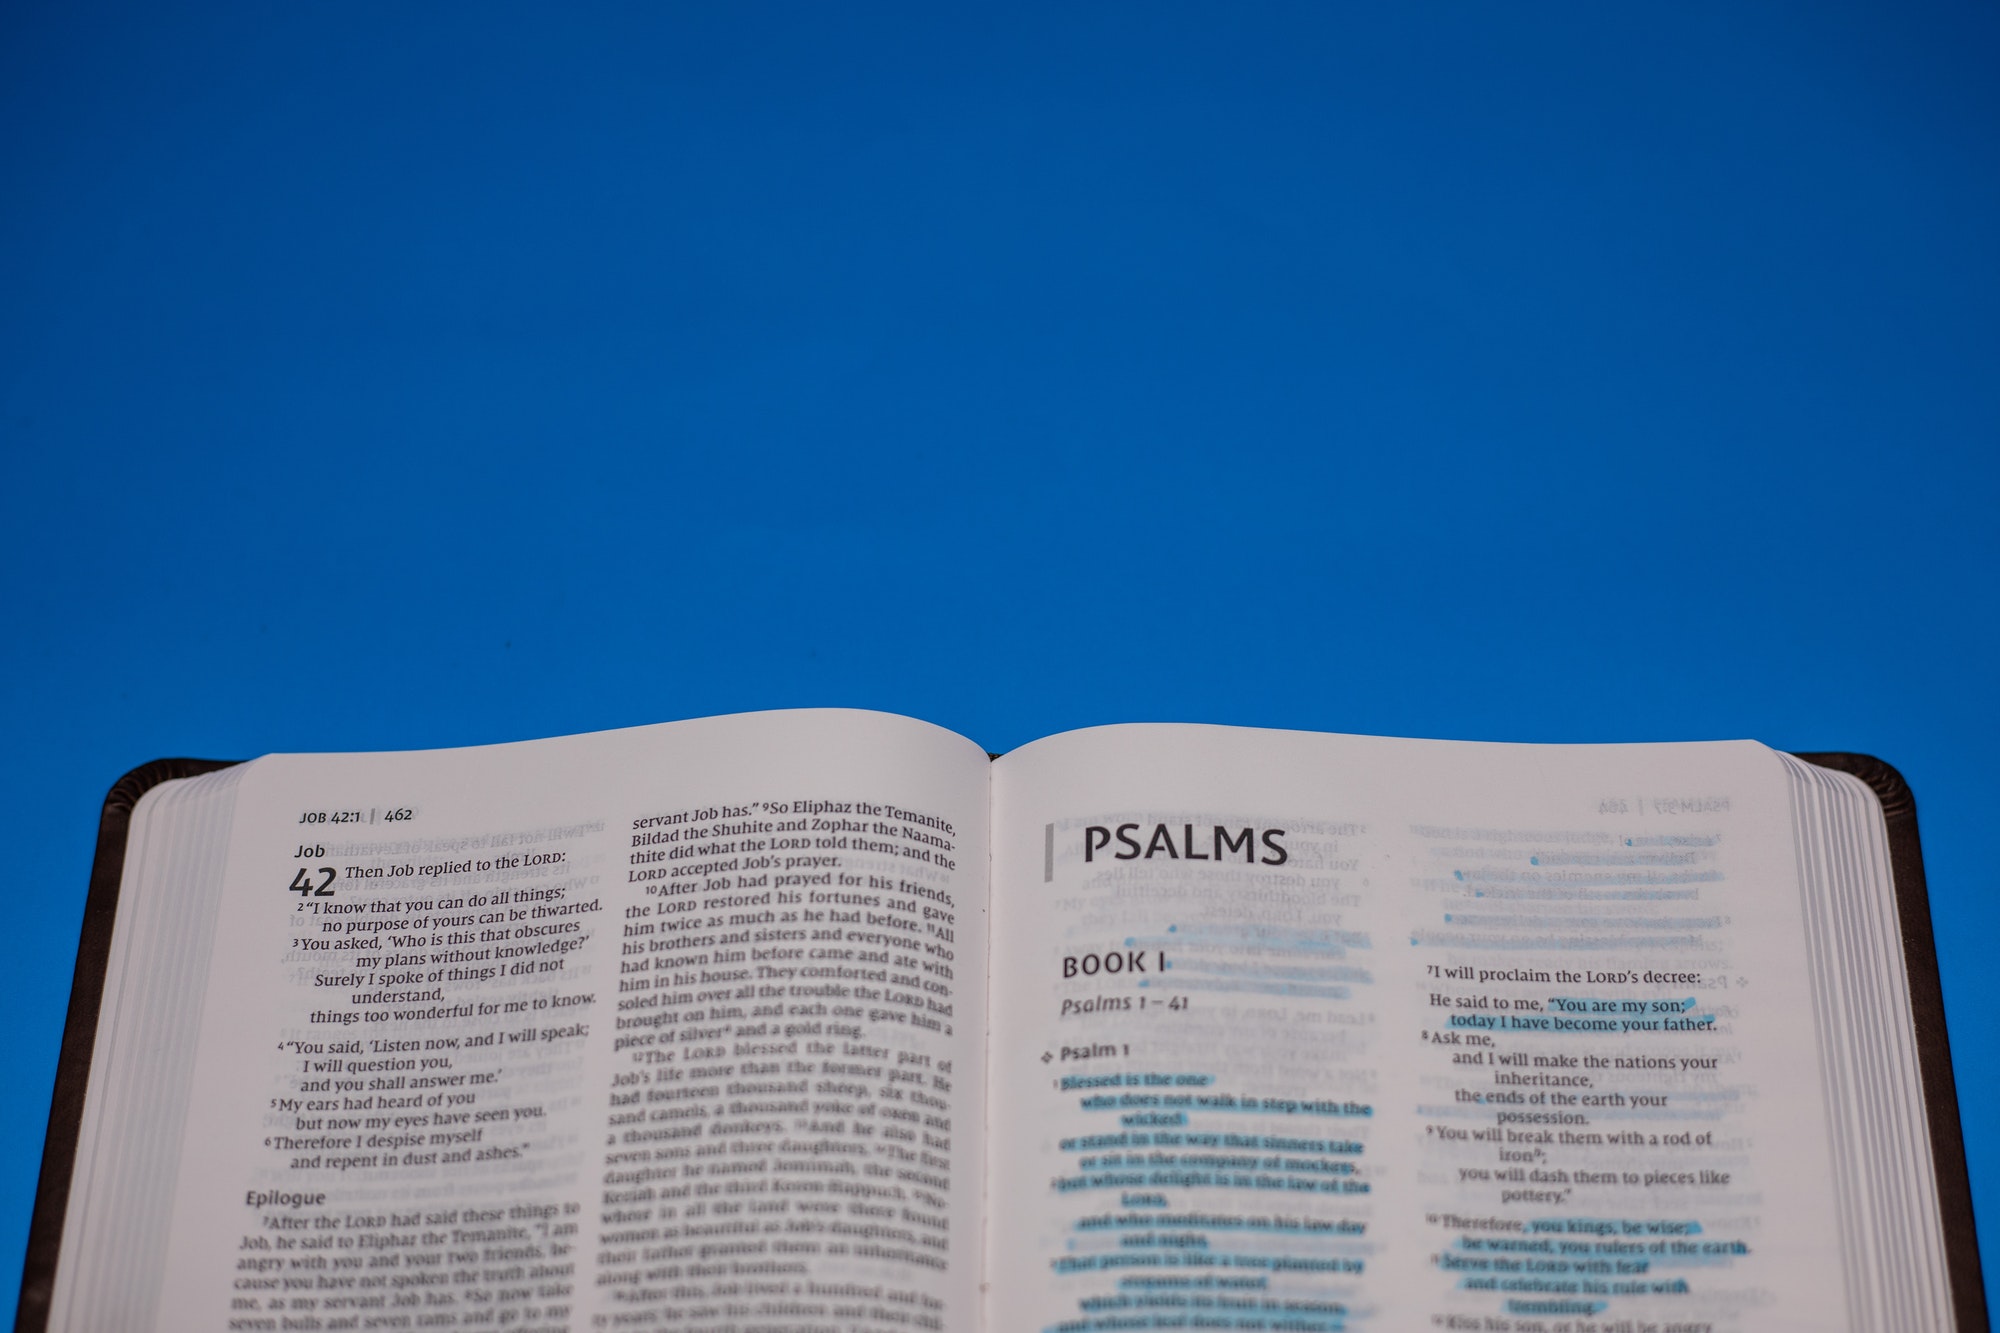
1215	843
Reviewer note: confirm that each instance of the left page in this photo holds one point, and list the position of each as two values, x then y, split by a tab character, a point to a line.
679	1026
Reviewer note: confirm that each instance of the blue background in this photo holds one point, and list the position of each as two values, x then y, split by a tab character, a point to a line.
376	379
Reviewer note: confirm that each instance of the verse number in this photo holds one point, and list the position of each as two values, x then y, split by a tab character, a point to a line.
302	883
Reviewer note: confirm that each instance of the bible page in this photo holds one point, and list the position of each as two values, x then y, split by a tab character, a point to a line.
679	1027
1308	1032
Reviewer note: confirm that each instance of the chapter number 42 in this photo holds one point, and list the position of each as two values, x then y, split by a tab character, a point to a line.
302	883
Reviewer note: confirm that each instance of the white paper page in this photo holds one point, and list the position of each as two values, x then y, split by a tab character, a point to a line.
1456	1037
675	1027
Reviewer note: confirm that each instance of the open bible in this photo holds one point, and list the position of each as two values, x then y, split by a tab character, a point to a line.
827	1020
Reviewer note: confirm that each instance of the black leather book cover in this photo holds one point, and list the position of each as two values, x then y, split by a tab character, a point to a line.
1899	808
86	993
1913	910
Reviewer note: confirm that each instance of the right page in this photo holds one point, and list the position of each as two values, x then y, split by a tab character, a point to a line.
1310	1032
